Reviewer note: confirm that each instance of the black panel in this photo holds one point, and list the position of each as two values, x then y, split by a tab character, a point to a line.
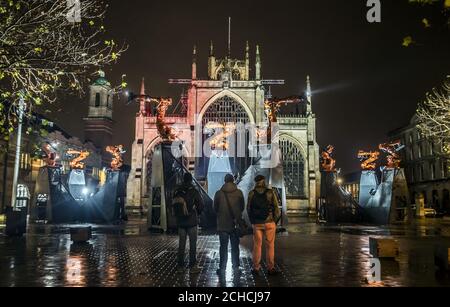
174	171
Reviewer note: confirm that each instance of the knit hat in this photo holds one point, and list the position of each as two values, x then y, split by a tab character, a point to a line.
260	178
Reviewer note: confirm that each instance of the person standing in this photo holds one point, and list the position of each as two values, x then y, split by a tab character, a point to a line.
187	207
229	205
264	212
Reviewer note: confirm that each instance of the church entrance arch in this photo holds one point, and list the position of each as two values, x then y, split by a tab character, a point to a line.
224	110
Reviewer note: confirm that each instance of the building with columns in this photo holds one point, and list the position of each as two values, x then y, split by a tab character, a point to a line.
230	94
426	166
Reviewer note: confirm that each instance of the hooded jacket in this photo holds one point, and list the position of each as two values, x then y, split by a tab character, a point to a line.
195	206
225	221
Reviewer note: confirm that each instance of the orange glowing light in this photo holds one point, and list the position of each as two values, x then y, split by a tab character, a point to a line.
392	152
117	152
272	107
221	135
368	159
328	163
76	271
165	132
77	163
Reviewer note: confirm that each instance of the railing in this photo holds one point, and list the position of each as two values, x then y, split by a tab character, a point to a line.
173	119
292	120
210	83
243	84
220	83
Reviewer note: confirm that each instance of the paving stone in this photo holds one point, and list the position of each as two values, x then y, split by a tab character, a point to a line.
307	255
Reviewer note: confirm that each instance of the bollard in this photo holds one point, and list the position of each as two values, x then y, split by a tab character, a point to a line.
384	248
16	223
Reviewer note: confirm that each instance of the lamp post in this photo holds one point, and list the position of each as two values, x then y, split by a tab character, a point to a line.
16	218
20	114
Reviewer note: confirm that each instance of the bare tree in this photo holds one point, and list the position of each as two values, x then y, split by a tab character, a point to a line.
434	118
48	46
434	113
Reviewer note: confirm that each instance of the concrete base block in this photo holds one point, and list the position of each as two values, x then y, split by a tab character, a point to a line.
384	248
80	234
16	223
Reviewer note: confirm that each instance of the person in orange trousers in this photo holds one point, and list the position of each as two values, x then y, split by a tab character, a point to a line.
264	212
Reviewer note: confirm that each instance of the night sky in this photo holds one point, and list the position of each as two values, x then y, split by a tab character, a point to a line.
365	83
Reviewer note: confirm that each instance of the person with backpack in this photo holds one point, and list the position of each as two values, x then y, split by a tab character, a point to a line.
187	206
229	205
264	213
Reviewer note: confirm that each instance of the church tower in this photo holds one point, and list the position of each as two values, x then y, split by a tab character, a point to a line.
99	122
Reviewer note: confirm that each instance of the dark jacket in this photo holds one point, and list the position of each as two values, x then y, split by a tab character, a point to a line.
225	221
195	206
273	201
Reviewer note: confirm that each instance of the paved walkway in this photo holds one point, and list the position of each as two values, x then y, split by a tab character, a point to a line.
307	255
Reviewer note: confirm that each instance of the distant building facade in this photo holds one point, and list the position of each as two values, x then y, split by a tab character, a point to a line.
30	162
351	183
426	166
98	134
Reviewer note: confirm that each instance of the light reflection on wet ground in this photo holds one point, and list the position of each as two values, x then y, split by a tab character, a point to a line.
307	255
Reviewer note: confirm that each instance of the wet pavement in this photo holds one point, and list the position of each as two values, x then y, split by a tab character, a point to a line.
307	255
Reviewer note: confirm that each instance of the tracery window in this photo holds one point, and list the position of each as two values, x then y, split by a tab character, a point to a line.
293	168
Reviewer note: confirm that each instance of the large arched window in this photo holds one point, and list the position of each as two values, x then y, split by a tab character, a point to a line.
225	110
293	168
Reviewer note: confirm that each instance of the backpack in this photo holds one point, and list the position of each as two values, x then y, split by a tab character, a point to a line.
179	204
259	206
